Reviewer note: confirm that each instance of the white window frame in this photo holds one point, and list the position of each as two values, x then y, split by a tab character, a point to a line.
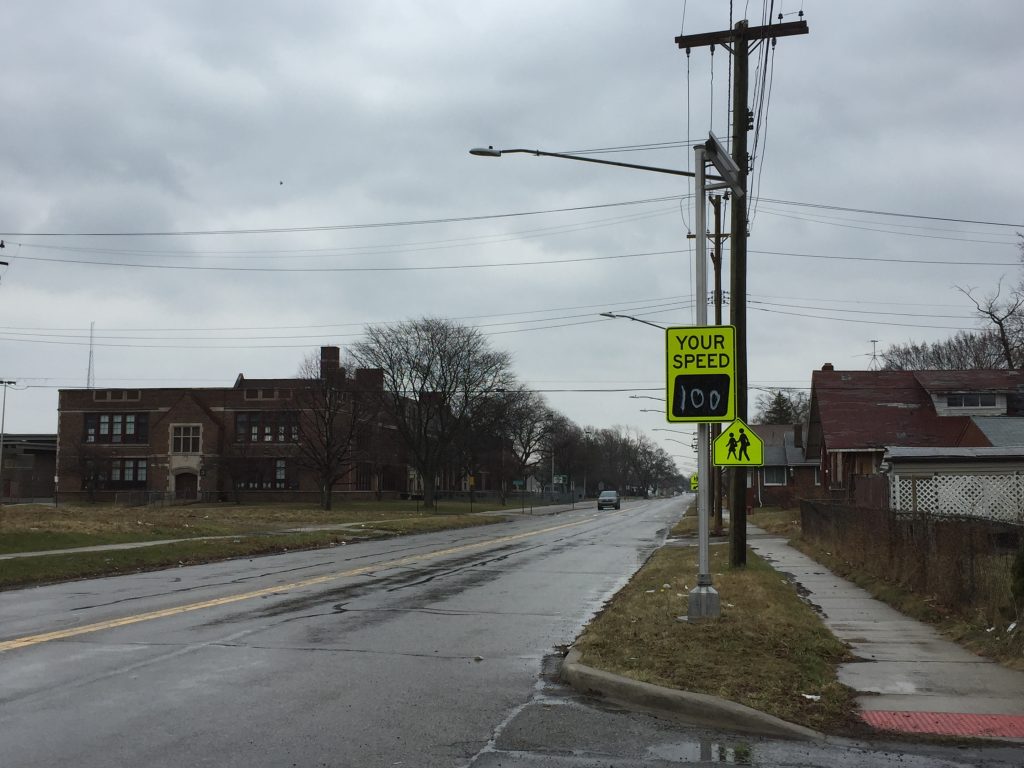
767	482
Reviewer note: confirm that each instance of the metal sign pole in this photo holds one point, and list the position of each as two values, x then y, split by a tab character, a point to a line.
703	599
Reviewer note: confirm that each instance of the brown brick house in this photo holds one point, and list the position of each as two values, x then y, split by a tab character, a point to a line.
240	442
857	415
788	474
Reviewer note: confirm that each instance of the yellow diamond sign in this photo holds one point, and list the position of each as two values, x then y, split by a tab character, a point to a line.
738	446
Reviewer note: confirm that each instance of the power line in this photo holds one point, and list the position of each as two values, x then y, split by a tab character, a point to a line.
427	268
360	250
486	217
892	213
341	227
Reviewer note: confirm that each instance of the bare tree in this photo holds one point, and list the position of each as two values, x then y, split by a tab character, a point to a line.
527	424
1005	317
332	413
436	372
999	344
963	351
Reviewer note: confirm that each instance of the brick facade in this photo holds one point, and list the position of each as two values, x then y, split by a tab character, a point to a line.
240	442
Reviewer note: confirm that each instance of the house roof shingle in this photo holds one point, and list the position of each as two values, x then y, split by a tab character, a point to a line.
864	410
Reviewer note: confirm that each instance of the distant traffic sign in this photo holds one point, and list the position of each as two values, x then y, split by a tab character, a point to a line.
700	367
738	446
694	482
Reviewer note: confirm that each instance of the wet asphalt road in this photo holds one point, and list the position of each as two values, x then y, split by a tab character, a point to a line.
433	650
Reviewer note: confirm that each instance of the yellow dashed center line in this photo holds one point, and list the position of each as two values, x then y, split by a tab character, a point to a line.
61	634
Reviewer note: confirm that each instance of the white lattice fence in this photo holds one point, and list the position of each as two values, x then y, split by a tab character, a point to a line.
992	497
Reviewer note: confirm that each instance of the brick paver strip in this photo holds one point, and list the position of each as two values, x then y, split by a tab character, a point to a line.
947	723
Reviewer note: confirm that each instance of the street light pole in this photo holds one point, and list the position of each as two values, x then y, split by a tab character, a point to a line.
703	601
3	417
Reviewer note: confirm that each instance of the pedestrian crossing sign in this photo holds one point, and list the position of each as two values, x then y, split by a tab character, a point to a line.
738	446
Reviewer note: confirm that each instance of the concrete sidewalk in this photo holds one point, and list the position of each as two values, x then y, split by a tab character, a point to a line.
910	678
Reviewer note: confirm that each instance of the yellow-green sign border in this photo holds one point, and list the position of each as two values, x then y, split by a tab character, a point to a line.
722	438
670	374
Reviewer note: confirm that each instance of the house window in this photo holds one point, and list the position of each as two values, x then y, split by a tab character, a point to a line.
774	475
116	427
971	400
185	438
817	475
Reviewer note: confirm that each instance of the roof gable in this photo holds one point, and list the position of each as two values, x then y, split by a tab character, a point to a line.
868	410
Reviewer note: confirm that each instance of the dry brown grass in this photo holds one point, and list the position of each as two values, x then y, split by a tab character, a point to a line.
46	569
40	527
767	650
780	522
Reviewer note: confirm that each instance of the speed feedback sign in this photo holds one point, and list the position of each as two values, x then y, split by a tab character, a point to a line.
700	370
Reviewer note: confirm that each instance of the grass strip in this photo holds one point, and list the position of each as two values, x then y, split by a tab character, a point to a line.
780	522
769	650
48	569
37	528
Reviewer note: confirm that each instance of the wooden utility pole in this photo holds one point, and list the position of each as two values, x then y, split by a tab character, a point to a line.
737	40
716	429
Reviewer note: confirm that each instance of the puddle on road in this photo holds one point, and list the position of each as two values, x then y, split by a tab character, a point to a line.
705	751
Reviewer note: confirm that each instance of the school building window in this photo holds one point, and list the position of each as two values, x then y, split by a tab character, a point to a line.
127	473
116	427
185	438
269	476
267	427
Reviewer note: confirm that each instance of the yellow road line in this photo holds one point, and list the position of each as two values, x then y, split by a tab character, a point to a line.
61	634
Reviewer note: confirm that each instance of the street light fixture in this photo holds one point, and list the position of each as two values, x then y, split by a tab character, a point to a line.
492	152
634	319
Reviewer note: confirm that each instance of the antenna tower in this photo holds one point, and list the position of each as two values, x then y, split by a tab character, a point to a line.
875	364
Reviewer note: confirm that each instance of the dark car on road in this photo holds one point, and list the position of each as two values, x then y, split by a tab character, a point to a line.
609	499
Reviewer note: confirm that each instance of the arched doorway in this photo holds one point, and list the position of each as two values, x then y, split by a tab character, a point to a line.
186	486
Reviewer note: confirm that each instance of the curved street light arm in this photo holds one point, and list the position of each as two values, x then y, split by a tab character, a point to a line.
492	152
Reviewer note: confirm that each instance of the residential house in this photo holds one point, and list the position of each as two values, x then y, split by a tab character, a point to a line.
788	474
856	416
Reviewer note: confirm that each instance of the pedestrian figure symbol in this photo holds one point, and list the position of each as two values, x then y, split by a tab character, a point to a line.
738	446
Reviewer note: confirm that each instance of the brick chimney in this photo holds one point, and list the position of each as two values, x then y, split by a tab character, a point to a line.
828	367
798	435
330	361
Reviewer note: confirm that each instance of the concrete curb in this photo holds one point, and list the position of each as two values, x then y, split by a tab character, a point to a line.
694	708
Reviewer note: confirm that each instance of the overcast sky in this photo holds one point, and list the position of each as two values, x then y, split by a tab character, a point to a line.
317	117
